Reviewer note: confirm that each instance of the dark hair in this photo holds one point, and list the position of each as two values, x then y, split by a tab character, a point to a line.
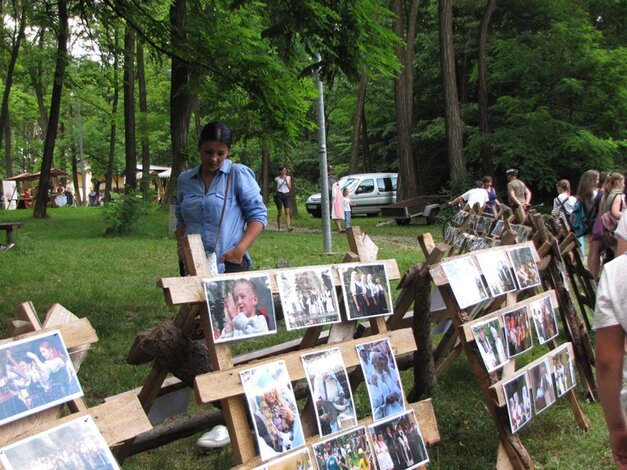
478	184
487	179
216	131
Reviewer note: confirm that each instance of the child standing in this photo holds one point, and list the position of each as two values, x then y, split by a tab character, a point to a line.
347	208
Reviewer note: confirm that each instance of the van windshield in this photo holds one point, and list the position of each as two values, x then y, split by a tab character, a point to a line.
347	182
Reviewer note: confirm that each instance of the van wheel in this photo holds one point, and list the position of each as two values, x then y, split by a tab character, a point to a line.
403	221
372	214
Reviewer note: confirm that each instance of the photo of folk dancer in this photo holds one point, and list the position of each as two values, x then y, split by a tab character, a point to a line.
497	270
465	281
273	407
36	373
381	375
366	290
525	267
240	307
399	444
330	390
76	444
542	386
518	401
347	451
564	369
308	298
517	331
491	343
544	319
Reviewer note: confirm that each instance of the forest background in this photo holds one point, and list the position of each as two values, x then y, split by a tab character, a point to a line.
442	92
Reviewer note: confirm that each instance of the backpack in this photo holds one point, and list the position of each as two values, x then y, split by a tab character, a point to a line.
594	211
609	226
560	214
579	225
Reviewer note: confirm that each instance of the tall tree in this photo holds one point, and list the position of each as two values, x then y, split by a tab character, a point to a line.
130	145
357	119
452	117
114	110
143	121
41	204
484	124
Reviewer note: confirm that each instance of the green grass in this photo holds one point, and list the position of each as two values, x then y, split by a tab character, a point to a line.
112	282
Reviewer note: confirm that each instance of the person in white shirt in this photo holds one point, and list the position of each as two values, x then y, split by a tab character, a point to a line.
347	208
564	203
282	197
477	195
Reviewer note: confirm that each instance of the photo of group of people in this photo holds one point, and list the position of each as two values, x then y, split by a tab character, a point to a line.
497	266
347	451
76	444
240	307
517	331
330	390
272	405
36	373
382	378
491	343
552	373
398	443
366	290
544	319
298	460
308	298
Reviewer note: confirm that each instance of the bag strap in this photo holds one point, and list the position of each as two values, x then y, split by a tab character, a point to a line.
226	195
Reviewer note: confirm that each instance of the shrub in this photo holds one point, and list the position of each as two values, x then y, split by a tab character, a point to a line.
123	213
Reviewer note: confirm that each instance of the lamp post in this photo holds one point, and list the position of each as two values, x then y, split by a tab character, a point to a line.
322	150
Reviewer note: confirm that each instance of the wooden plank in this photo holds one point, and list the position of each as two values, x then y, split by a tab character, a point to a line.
26	311
182	290
74	334
230	384
425	416
19	327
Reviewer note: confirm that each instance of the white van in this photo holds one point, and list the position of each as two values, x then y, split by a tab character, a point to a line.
368	191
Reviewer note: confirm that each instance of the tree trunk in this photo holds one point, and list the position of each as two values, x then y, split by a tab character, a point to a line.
4	111
41	204
265	171
7	144
130	146
403	98
359	113
452	116
143	121
484	123
114	111
365	144
180	99
36	75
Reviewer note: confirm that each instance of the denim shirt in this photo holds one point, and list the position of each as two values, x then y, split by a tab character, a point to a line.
200	212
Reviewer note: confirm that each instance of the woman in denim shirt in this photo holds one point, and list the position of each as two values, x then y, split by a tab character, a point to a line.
227	229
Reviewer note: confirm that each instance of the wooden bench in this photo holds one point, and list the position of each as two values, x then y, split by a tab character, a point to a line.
8	227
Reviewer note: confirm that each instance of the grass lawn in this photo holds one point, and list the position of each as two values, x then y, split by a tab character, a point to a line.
112	282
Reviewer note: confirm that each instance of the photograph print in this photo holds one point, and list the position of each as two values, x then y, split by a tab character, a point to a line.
491	343
497	270
544	319
564	369
330	390
75	444
272	405
308	298
382	378
397	442
498	228
298	460
465	281
517	326
349	450
518	401
541	382
240	306
36	373
366	290
525	268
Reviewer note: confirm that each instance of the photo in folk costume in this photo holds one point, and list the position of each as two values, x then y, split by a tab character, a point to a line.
272	405
366	290
518	401
308	298
542	387
465	281
36	373
564	368
517	325
544	319
348	450
525	267
330	390
497	270
491	343
240	306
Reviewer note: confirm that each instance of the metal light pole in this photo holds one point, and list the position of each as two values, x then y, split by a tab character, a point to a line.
324	181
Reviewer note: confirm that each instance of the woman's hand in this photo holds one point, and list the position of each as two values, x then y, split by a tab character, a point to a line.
235	255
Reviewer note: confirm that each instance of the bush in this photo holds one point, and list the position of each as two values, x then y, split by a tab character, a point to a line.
123	214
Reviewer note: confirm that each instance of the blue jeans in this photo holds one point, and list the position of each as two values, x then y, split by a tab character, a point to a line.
347	219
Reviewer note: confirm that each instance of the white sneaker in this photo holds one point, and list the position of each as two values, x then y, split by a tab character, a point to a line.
214	439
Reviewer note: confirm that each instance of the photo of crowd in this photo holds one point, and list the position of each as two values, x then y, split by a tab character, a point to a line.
273	407
525	268
330	390
240	307
36	373
564	369
299	460
544	319
398	443
308	298
76	444
491	343
348	451
518	401
542	386
465	280
497	270
382	378
517	331
366	290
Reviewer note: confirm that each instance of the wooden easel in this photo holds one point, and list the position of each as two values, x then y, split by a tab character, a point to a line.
512	453
118	420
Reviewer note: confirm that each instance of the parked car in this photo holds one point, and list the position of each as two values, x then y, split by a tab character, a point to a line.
368	191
